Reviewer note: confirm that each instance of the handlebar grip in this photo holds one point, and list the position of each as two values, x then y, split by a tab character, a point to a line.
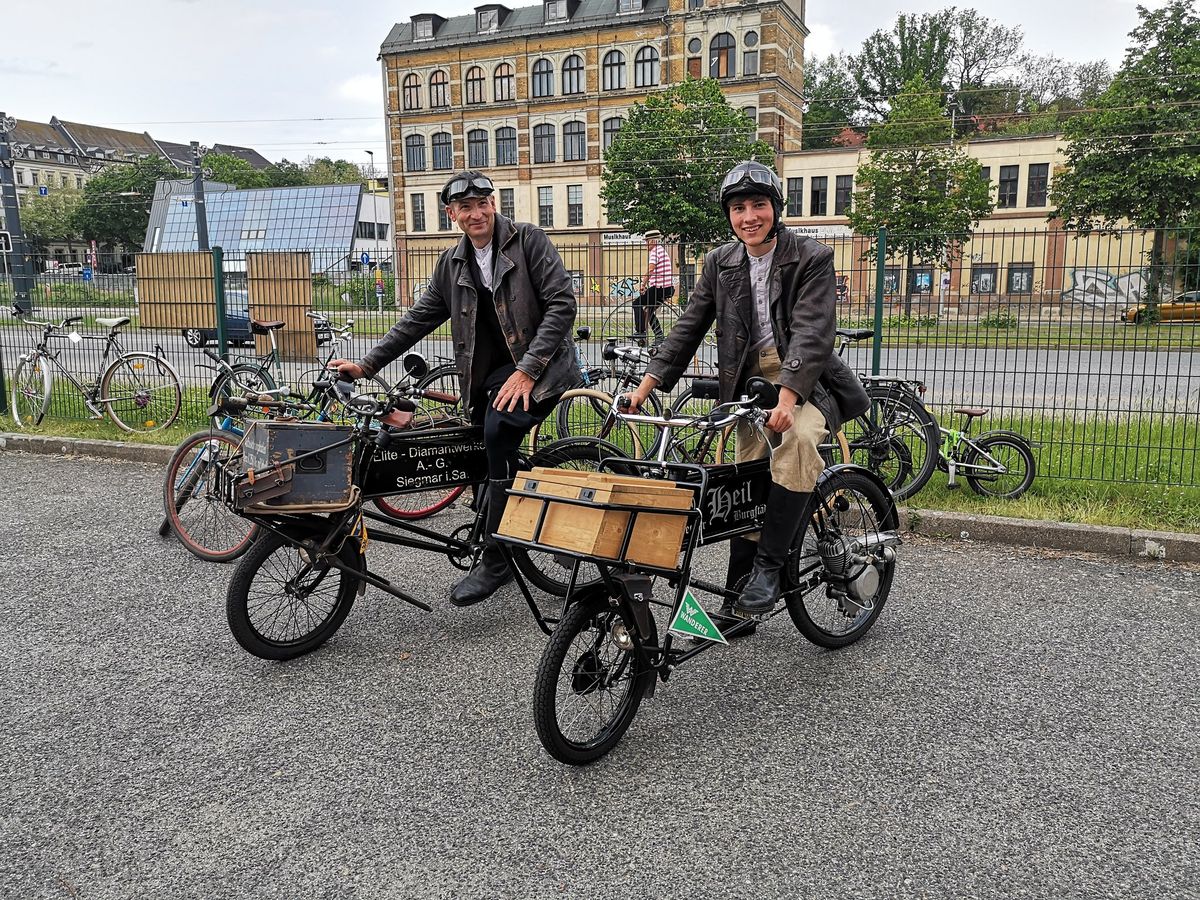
441	396
623	402
212	356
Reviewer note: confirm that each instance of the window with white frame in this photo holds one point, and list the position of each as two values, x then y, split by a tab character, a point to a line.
488	20
614	70
645	67
543	78
422	29
412	92
439	90
414	153
574	204
555	10
477	148
506	146
443	151
503	82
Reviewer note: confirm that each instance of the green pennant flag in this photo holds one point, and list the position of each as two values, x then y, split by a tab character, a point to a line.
693	621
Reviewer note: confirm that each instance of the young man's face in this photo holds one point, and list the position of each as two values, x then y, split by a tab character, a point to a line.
752	218
476	216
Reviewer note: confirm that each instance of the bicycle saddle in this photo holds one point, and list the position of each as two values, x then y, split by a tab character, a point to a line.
113	323
971	410
263	327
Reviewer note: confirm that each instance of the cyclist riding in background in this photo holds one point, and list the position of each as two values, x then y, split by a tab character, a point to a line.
772	294
657	287
511	307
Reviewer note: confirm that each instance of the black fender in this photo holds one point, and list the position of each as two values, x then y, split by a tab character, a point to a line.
1003	432
892	520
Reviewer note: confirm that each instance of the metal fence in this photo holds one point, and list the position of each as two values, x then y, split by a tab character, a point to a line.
1037	326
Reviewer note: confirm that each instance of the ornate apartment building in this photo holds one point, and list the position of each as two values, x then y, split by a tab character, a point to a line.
533	95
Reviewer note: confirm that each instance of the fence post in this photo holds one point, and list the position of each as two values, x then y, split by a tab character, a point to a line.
880	271
218	258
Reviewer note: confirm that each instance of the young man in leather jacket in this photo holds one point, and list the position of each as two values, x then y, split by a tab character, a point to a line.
772	295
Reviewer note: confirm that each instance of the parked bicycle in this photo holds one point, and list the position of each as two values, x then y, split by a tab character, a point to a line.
995	463
607	652
138	391
257	375
897	438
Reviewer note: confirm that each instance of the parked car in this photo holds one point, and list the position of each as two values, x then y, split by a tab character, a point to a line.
1184	308
64	268
237	325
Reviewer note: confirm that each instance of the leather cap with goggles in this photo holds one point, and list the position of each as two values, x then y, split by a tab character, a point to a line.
751	178
466	184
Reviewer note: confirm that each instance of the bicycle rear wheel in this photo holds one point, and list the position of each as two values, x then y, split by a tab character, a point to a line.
848	510
590	680
240	380
282	603
588	412
897	439
445	379
141	392
30	392
194	509
1010	469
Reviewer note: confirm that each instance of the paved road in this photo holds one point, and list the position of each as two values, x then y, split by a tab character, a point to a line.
1017	725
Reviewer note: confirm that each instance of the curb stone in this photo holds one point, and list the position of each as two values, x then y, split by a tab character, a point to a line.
1131	543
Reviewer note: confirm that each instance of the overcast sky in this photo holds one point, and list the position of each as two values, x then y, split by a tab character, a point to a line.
300	77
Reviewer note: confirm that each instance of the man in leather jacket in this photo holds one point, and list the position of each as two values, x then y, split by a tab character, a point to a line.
772	295
511	306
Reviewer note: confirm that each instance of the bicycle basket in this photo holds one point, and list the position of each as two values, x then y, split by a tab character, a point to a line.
295	467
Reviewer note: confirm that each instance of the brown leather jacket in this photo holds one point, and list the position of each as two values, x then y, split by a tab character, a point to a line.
535	305
803	320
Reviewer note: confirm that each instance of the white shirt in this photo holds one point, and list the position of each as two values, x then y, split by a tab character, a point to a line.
483	258
761	335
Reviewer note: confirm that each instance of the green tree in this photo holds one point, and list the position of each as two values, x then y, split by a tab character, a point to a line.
982	52
115	207
286	174
1135	158
917	45
830	100
51	219
229	169
329	171
665	165
925	191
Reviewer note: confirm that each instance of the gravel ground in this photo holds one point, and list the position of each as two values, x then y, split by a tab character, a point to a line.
1017	724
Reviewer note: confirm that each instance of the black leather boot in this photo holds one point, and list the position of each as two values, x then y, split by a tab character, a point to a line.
491	572
741	560
781	523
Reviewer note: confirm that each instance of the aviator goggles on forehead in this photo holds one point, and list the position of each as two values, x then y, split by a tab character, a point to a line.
740	176
459	187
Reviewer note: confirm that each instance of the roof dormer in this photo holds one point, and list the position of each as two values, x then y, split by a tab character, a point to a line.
554	11
490	17
625	7
425	26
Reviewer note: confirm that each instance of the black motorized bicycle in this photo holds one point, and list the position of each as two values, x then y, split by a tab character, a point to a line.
608	652
306	485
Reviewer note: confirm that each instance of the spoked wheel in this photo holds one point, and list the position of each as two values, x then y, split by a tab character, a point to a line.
842	569
551	572
243	379
194	508
141	392
590	680
444	379
30	392
1012	465
282	603
897	439
418	505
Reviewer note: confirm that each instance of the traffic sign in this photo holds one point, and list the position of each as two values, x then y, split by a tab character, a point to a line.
5	242
365	259
43	190
86	273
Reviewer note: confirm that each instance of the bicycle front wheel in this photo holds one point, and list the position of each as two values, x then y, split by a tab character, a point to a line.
1006	467
590	680
897	439
30	392
141	392
282	603
705	447
194	509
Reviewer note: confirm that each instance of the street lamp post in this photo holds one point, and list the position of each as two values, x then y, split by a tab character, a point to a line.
371	166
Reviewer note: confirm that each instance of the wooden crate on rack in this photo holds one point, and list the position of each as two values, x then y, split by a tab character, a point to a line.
657	533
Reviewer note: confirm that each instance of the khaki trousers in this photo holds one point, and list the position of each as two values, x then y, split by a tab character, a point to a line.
796	463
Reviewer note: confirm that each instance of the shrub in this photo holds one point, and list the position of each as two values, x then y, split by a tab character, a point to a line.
1001	318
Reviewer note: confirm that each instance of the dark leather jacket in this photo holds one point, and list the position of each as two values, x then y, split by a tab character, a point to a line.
535	305
803	321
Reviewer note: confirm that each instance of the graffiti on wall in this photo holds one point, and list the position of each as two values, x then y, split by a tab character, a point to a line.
1100	287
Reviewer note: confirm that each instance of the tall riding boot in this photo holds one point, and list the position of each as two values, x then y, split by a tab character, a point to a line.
491	571
781	524
741	560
